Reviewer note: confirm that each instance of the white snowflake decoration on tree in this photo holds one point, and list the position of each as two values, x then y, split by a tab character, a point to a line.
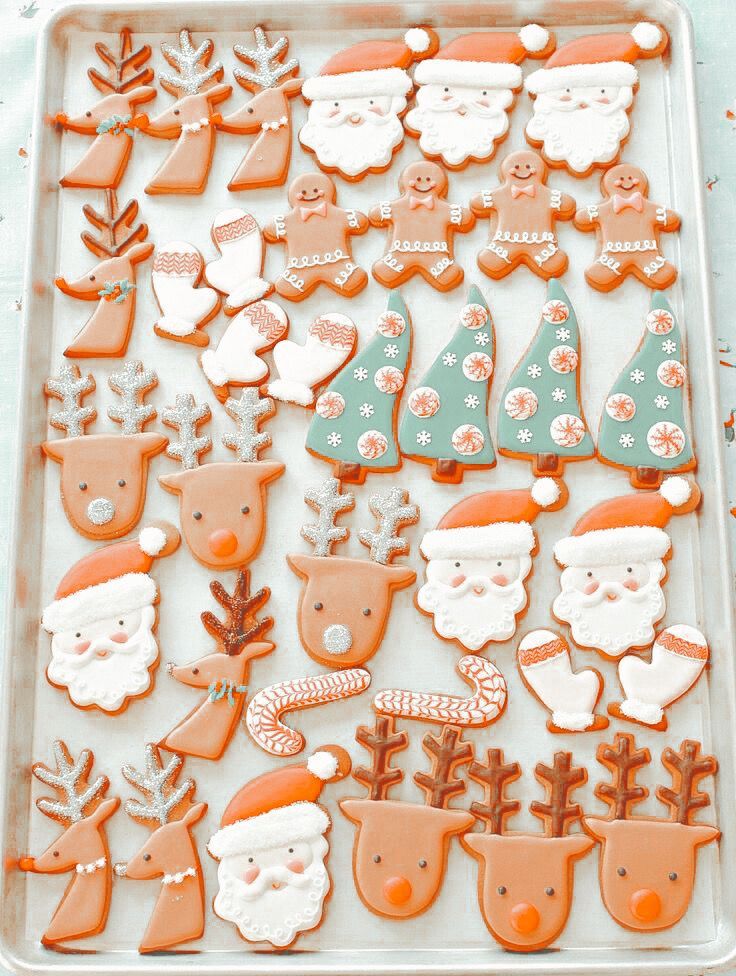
482	339
626	440
637	376
360	374
472	401
661	402
366	410
559	395
424	438
449	359
524	435
562	335
669	346
535	371
391	351
334	439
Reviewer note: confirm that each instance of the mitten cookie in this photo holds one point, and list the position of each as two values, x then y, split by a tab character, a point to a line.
302	370
186	309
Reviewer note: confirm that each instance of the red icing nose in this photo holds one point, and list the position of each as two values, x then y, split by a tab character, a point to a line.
222	542
524	918
645	905
397	891
612	597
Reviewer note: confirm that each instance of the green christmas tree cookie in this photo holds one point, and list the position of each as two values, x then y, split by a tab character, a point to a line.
540	417
446	420
354	422
643	424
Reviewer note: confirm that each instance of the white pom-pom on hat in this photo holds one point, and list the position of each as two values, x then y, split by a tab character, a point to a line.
676	491
417	40
545	492
535	37
647	36
323	765
152	540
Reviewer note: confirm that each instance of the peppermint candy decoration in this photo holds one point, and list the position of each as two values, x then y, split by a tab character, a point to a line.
521	403
372	445
567	430
474	316
329	405
666	440
671	373
620	406
468	440
660	321
389	379
563	359
555	311
391	324
424	401
477	366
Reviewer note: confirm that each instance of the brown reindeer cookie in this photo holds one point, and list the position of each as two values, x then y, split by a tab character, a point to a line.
170	853
82	810
421	227
317	235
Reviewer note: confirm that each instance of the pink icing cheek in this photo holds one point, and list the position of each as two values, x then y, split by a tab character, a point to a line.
296	867
458	580
447	98
485	102
603	101
251	874
333	112
591	587
376	109
500	580
81	647
632	585
120	637
565	98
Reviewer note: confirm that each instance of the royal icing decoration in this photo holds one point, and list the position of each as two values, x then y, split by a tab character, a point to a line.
445	423
103	476
185	307
207	729
82	810
345	602
658	855
316	233
191	120
421	227
170	853
478	559
302	370
113	120
111	283
236	274
628	226
541	417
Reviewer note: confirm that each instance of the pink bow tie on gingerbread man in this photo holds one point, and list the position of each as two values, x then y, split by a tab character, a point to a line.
523	191
635	201
320	210
427	202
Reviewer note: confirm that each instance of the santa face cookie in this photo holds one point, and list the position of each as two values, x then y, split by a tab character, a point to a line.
478	559
357	101
583	95
614	568
465	92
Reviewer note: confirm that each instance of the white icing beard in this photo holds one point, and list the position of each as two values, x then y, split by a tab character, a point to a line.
107	682
473	618
578	136
353	149
453	136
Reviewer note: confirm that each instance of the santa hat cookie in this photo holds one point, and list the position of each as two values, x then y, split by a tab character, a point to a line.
486	59
599	59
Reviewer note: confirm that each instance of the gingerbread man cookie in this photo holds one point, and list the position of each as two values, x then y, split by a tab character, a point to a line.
628	225
421	228
317	234
526	210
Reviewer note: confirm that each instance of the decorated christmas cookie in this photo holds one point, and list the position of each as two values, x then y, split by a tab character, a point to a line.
614	568
192	119
643	427
401	848
237	359
570	696
421	227
113	120
272	851
354	422
541	417
523	212
357	101
647	864
110	282
465	92
207	729
222	505
345	602
236	274
478	559
170	853
628	226
583	95
679	655
103	622
484	706
302	370
81	849
272	80
445	423
103	476
186	308
525	881
316	233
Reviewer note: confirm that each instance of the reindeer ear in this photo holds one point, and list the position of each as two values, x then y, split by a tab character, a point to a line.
703	834
105	810
194	814
597	827
400	576
269	471
56	450
259	648
151	443
575	845
139	252
354	809
292	86
301	564
173	482
218	93
143	93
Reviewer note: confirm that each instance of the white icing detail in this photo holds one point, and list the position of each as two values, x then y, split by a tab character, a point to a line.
293	279
183	305
500	539
676	491
456	213
487	198
303	368
357	84
592	211
442	265
419	40
298	821
534	38
323	765
275	124
384	208
524	237
555	199
609	263
654	266
100	511
472	74
545	254
615	73
123	593
279	225
661	214
502	252
152	540
343	276
545	492
601	547
419	247
390	261
573	721
647	36
192	128
92	866
178	877
236	358
318	260
352	218
629	246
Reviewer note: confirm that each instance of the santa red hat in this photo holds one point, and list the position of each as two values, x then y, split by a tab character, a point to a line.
279	807
599	59
629	528
485	59
109	581
493	523
372	67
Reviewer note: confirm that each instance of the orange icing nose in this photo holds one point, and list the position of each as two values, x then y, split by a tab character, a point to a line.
397	891
524	918
645	905
222	542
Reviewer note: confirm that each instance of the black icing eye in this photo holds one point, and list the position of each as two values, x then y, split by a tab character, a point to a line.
603	91
245	509
336	104
146	857
176	111
621	872
370	102
447	89
549	891
121	483
318	606
88	114
250	860
501	889
91	277
672	875
78	634
197	515
376	858
249	110
498	563
457	565
366	611
291	850
56	853
484	93
82	485
422	863
528	165
589	573
121	623
567	90
195	670
629	569
315	189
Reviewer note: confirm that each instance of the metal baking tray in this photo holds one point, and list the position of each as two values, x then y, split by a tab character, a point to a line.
449	938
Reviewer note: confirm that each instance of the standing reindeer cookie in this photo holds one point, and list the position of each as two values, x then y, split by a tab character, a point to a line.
112	120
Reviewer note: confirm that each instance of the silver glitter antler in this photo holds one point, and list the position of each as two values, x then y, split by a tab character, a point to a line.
187	61
132	383
328	502
393	511
186	416
70	387
248	413
266	75
70	781
158	784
